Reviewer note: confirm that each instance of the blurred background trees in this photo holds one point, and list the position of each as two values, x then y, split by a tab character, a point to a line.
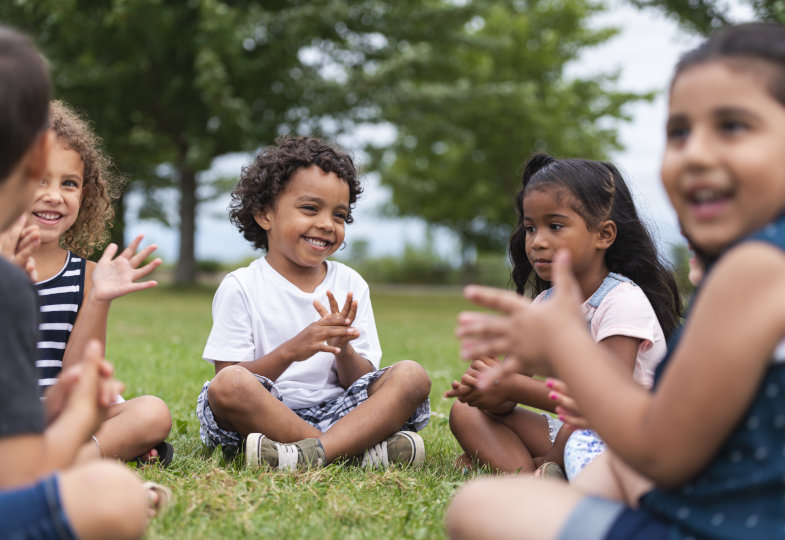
469	87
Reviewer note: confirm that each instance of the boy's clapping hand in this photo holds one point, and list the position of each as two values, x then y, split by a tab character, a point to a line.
329	334
339	316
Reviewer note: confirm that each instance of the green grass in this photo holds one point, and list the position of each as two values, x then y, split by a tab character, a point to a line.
155	340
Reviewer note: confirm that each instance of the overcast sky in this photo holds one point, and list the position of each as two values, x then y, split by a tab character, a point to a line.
645	52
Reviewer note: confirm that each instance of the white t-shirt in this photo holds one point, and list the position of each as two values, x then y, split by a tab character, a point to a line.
626	311
256	309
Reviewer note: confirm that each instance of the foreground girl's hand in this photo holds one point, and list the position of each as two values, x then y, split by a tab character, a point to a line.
117	276
566	407
528	334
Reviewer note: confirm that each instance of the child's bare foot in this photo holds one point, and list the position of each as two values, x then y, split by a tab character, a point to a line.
158	496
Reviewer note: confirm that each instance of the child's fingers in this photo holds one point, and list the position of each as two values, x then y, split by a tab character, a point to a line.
497	299
572	419
457	390
349	318
347	305
131	248
320	309
109	253
146	269
476	325
324	347
141	285
342	332
562	400
333	303
557	385
490	377
137	259
565	287
471	348
469	380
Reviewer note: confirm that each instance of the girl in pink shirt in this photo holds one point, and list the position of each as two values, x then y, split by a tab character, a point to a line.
631	304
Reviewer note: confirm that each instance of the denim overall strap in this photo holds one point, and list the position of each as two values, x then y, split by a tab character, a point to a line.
607	285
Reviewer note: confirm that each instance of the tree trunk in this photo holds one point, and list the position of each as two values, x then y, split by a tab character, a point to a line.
117	232
185	272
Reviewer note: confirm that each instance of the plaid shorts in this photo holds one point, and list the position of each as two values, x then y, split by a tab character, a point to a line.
320	416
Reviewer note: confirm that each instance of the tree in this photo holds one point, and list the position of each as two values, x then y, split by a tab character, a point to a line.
171	85
473	88
705	16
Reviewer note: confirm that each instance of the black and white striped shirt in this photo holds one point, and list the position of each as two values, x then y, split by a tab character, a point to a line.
59	299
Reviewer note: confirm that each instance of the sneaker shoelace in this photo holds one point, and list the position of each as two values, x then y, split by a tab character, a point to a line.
287	456
376	456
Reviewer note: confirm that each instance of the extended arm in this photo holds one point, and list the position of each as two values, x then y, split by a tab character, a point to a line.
669	435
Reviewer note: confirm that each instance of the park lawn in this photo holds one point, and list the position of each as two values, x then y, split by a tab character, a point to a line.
155	340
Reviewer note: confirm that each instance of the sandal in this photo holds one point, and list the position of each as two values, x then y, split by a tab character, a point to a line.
549	469
164	457
163	496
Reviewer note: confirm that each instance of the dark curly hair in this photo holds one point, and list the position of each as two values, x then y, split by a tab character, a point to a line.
100	187
600	193
263	181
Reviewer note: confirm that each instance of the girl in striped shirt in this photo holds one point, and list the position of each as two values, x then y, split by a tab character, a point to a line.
72	210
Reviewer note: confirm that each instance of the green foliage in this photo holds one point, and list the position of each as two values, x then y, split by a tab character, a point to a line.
155	339
680	258
171	85
423	265
473	96
705	16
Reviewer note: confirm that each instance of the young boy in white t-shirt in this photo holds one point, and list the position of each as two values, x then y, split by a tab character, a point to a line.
296	373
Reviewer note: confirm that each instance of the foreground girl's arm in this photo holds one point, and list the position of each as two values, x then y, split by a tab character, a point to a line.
75	407
668	435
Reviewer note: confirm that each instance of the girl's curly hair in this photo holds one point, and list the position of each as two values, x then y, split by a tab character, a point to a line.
100	185
263	181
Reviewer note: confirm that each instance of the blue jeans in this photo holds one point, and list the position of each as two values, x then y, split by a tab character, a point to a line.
34	512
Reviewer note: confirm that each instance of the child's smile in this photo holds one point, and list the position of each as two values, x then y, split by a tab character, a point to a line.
724	165
307	223
59	195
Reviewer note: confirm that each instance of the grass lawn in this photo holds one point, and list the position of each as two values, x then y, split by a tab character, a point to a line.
155	340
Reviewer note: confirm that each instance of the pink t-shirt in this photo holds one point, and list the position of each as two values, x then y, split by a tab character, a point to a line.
625	311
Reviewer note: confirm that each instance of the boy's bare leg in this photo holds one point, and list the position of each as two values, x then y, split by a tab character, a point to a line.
103	499
511	507
239	403
392	399
507	443
131	429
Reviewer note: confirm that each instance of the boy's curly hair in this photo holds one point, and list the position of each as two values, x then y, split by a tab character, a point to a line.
263	181
100	184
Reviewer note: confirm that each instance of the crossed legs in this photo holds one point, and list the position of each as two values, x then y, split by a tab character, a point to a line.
239	403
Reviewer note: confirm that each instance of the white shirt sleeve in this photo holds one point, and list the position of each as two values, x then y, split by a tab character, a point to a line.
231	337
